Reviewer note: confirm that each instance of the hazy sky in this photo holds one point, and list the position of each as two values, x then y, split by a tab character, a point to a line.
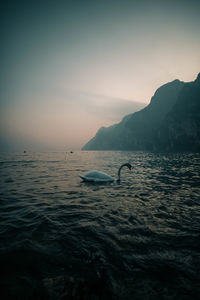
70	67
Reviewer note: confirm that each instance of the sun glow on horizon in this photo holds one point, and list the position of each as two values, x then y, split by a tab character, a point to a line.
70	69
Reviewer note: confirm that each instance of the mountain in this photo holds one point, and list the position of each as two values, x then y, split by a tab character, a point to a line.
171	122
181	129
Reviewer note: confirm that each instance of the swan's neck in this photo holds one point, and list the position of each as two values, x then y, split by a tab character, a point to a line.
119	172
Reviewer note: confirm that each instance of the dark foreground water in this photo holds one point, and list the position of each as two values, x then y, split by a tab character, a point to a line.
61	238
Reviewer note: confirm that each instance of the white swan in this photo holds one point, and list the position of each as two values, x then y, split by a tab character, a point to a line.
98	176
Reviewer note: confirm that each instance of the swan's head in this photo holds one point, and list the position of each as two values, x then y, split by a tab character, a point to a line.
124	165
129	166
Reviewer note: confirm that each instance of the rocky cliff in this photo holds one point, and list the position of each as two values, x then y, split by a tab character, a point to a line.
171	122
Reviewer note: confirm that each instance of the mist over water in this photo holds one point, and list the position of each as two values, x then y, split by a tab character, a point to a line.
62	238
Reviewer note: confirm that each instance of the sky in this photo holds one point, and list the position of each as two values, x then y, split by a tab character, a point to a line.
70	67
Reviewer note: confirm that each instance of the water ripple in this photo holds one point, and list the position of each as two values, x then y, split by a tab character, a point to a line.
135	240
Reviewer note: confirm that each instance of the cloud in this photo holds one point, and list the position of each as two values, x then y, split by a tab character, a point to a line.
61	119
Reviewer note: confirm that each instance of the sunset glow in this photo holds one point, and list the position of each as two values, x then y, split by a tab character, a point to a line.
67	64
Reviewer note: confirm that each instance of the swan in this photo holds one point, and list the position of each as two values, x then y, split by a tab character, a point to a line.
98	176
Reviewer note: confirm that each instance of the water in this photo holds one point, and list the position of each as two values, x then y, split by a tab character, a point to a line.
61	238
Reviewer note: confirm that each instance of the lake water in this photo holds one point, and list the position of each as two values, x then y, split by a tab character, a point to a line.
61	238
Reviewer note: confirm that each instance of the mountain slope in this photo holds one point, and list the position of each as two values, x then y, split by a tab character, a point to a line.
169	123
181	127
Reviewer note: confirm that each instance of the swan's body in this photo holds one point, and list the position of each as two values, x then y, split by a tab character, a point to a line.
98	176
